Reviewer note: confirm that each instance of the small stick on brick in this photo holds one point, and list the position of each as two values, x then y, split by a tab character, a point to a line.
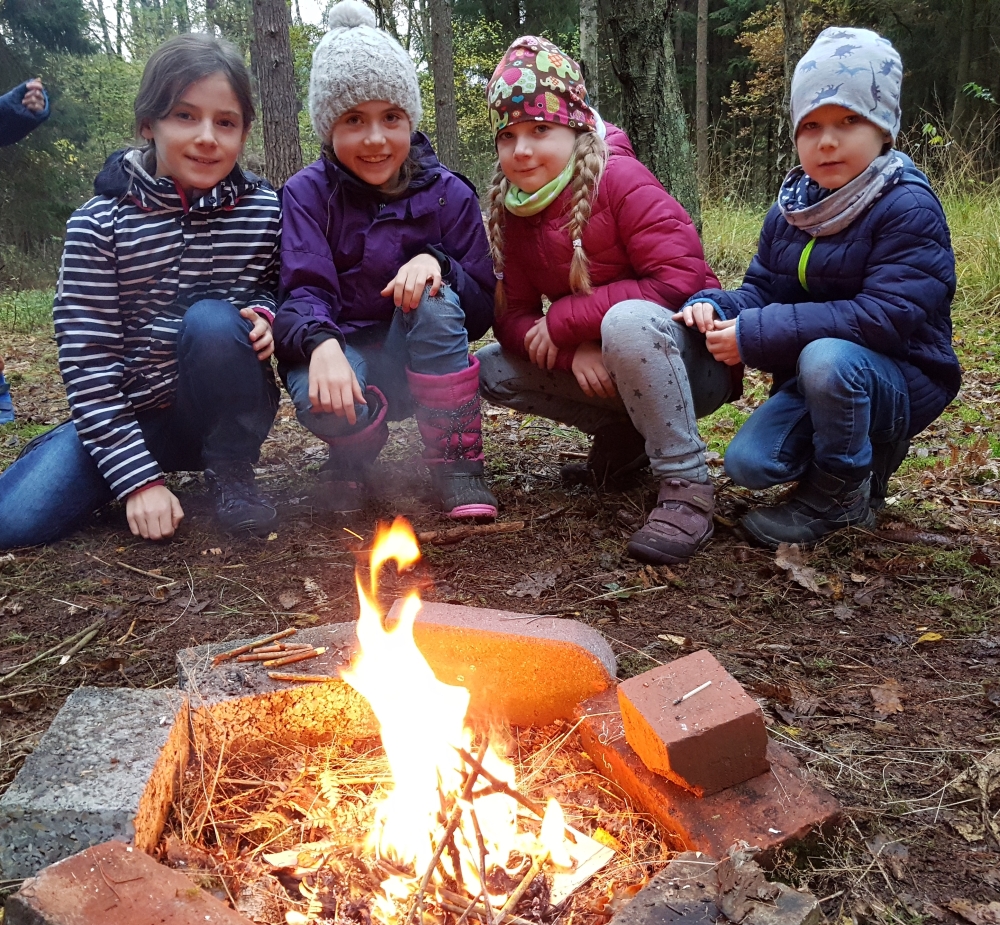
239	650
457	534
294	657
301	678
697	690
262	656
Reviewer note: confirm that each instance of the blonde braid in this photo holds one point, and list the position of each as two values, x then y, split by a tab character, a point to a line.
591	157
495	222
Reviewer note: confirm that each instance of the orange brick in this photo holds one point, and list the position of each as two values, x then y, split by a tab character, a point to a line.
708	742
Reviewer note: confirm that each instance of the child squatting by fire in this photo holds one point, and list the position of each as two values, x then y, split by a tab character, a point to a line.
847	303
162	317
387	277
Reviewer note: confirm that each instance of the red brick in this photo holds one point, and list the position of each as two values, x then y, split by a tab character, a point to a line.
713	740
770	811
113	884
521	668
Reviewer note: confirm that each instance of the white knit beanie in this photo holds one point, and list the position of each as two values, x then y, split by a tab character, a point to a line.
854	68
356	62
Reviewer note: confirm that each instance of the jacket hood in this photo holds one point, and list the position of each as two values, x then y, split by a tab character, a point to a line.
428	170
617	141
124	176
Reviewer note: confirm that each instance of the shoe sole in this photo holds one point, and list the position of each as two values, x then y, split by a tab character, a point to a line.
654	556
253	527
473	512
770	543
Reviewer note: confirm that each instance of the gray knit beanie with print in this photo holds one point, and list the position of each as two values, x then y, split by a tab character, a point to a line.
356	62
854	68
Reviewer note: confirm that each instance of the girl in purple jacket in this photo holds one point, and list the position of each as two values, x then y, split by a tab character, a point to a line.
387	276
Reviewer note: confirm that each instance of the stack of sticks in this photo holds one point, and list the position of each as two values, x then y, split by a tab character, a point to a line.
272	653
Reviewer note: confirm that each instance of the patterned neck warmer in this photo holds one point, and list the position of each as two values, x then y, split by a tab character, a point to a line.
820	212
521	203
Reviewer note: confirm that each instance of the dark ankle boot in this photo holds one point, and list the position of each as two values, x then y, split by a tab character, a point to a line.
821	505
678	525
886	459
451	425
239	506
342	486
618	450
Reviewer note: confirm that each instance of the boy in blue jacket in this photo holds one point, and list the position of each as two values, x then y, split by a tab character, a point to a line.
21	110
847	303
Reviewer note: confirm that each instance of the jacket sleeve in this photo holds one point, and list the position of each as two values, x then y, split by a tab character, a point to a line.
309	283
16	120
907	275
663	249
264	297
91	340
755	290
469	269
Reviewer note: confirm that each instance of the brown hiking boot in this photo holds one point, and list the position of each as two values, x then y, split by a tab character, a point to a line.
677	526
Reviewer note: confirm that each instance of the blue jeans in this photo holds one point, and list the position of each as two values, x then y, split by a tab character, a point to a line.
431	340
842	399
223	409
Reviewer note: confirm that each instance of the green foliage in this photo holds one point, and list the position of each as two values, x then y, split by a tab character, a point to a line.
55	25
26	312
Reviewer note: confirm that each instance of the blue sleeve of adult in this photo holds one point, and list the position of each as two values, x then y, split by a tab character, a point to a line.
16	120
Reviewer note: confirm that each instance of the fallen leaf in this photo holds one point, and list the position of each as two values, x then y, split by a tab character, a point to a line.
287	600
980	558
976	913
893	853
930	637
971	833
535	583
675	640
181	854
991	691
887	698
604	837
789	558
271	537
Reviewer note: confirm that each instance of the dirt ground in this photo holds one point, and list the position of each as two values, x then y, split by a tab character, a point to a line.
876	658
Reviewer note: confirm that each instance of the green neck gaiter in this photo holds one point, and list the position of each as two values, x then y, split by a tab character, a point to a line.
521	203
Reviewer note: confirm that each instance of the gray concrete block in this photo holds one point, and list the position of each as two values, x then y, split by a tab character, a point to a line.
107	768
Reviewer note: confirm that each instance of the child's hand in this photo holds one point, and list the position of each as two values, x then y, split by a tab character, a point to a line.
34	97
701	315
261	338
333	387
721	342
541	351
407	287
153	513
591	374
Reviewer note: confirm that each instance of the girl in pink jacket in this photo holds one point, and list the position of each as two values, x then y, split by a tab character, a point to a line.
575	217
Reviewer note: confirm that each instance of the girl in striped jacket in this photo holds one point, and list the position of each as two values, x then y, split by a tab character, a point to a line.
163	317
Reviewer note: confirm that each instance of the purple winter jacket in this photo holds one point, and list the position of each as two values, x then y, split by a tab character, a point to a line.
342	241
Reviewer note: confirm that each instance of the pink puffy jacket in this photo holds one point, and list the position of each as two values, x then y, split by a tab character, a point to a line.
640	242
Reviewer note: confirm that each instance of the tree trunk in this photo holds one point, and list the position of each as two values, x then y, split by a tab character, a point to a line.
791	12
701	91
272	63
589	56
210	8
642	57
443	70
962	73
119	26
105	31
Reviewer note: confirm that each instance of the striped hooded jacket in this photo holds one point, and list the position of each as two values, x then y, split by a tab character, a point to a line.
137	256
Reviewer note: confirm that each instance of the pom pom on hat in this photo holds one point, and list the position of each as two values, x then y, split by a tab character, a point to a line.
356	62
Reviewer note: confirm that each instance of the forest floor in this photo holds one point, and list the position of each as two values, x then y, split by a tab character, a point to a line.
879	670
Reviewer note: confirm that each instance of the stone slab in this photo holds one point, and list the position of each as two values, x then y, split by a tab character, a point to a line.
239	700
113	884
769	811
107	768
686	892
523	669
712	740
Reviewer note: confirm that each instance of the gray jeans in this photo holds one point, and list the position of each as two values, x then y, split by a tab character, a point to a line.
666	380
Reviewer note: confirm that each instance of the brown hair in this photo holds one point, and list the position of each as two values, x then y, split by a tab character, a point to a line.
182	61
591	156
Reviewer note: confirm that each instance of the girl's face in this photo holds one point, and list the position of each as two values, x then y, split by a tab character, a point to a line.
835	145
198	142
372	140
534	153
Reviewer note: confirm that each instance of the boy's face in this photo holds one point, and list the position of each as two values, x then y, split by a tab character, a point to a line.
835	145
372	140
199	140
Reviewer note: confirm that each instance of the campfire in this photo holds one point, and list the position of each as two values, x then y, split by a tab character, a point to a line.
430	824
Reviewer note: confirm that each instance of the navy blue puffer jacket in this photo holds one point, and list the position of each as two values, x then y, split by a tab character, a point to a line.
885	282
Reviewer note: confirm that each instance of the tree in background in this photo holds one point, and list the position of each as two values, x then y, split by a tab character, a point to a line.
589	53
271	54
642	57
443	70
701	92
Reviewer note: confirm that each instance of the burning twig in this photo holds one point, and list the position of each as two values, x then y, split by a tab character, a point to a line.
521	888
239	650
69	640
482	867
500	786
294	657
457	534
301	678
459	904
